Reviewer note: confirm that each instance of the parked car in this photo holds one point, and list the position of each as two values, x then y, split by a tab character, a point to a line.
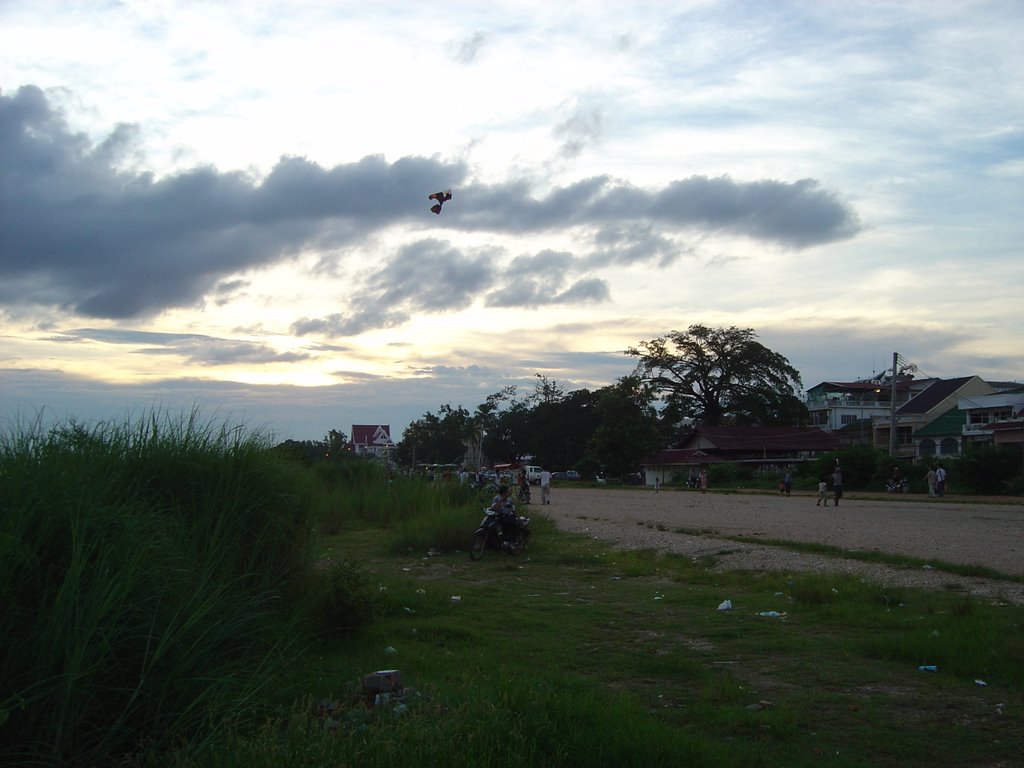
533	474
571	474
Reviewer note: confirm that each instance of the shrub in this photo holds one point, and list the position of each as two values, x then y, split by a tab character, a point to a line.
341	599
989	469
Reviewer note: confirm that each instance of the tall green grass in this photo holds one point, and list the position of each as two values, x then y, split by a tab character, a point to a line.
143	569
157	576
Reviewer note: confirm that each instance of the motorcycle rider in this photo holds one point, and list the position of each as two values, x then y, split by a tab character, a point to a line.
896	480
503	506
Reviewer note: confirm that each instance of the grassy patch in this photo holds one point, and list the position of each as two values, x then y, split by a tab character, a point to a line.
580	655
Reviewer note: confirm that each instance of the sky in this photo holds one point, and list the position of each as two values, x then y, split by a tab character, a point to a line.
222	206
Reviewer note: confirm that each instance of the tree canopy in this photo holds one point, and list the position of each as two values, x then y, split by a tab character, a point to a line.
721	376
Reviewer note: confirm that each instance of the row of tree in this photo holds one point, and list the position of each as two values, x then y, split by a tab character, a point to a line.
703	375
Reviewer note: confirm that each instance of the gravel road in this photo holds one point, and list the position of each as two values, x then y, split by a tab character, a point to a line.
951	530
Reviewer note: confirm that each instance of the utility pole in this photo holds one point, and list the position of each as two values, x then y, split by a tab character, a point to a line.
893	437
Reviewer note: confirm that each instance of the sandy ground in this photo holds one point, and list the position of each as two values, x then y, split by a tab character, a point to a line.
951	530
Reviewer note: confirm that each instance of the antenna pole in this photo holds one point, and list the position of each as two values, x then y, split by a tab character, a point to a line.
893	441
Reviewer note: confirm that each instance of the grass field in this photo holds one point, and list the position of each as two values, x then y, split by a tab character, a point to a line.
576	656
179	595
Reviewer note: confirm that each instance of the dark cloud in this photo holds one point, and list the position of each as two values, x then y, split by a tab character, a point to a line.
431	276
795	214
541	280
195	348
82	232
633	244
425	276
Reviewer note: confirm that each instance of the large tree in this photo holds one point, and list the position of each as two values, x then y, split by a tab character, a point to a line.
627	431
435	438
560	429
719	376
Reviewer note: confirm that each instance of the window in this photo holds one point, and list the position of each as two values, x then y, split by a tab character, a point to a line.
927	447
848	418
949	446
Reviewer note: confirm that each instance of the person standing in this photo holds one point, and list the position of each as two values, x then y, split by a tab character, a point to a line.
822	493
787	482
545	487
837	483
940	481
931	478
703	480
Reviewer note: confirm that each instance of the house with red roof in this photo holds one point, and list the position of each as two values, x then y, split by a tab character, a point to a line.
372	440
759	446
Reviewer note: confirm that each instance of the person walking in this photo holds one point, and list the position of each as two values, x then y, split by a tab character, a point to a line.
545	487
837	483
931	478
940	481
822	493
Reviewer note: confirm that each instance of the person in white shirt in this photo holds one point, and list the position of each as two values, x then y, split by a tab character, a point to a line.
545	487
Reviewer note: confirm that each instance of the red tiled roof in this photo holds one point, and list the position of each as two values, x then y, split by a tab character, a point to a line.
768	438
371	434
676	456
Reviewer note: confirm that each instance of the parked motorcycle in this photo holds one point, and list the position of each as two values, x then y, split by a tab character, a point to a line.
897	486
501	532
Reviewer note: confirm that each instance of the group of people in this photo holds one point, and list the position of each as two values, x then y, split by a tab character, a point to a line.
935	477
544	480
836	479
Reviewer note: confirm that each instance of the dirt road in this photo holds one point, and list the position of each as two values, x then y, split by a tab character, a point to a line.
689	522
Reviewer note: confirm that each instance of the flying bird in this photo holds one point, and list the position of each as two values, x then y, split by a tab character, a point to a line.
442	198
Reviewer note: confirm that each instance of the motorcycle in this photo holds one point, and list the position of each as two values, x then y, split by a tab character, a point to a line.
897	486
501	532
523	495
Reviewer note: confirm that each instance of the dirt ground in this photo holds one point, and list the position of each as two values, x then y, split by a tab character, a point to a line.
951	529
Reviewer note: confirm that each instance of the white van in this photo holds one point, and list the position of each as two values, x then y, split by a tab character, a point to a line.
533	474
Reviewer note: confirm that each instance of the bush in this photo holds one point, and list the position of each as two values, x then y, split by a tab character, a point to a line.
989	469
860	465
341	599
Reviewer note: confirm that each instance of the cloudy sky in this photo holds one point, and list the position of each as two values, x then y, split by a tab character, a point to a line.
224	205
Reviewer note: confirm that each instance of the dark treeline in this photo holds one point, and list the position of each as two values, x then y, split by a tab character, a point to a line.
699	376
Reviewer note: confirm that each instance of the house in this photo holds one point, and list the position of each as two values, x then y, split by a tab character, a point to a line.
924	410
849	406
372	440
848	409
996	419
762	446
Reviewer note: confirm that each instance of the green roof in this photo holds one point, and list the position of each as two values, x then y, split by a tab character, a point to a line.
949	423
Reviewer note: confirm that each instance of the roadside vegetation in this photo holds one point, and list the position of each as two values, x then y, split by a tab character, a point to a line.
178	593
